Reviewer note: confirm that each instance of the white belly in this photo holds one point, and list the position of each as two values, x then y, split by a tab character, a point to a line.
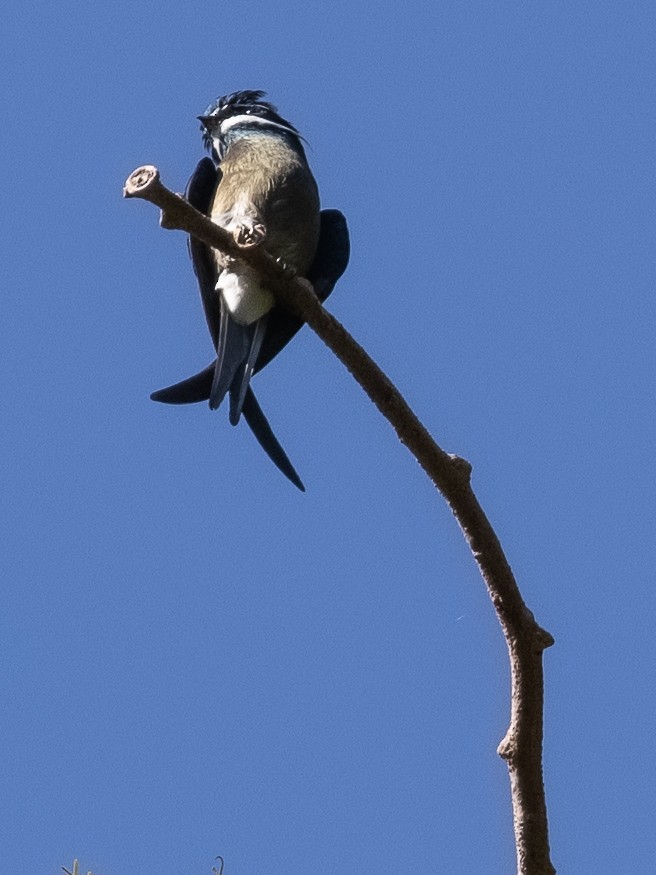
242	292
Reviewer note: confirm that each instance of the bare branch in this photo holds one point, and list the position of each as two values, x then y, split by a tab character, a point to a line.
522	746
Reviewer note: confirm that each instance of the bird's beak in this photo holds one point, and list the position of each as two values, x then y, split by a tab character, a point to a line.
204	120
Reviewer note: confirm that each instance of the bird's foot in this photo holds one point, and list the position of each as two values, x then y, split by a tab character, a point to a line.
248	234
285	269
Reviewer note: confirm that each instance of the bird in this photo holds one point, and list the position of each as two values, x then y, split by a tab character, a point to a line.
258	185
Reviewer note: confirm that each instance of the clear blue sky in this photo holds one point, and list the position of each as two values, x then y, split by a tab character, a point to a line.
195	658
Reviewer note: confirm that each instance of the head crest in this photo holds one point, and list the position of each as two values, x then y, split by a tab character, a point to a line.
244	103
240	102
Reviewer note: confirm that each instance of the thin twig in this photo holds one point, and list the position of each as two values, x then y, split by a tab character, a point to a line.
522	746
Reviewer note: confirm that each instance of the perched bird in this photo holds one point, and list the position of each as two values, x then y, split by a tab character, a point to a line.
259	186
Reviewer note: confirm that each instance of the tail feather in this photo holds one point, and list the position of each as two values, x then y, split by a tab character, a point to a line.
233	345
260	427
189	391
240	384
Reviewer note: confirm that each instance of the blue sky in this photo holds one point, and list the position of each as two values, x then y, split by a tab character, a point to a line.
195	658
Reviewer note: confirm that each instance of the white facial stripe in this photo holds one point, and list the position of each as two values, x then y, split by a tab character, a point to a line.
253	120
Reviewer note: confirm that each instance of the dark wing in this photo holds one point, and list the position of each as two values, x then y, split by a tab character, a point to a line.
200	193
332	256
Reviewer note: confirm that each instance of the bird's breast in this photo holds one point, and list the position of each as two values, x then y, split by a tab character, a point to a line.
264	182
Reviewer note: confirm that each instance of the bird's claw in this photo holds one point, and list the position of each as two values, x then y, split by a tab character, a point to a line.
285	269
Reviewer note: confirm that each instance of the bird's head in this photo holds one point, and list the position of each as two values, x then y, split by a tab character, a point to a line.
240	114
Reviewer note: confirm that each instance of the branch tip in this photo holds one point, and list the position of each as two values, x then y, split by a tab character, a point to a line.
141	181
